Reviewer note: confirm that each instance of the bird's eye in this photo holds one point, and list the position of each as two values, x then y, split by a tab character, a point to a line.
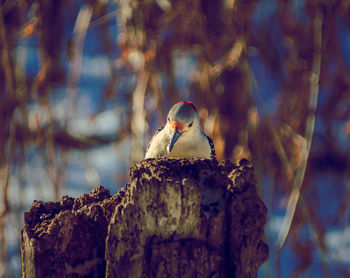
190	124
169	120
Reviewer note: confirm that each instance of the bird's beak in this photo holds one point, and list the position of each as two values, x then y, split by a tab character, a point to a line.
174	137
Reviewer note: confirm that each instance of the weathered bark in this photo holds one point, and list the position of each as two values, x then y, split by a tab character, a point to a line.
67	238
177	218
188	218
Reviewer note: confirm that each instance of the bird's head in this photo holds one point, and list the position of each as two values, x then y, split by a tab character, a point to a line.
183	120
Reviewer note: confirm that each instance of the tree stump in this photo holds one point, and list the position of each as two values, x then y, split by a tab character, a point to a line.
177	218
67	238
188	218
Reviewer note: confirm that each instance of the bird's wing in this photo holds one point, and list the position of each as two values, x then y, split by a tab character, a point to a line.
212	148
154	149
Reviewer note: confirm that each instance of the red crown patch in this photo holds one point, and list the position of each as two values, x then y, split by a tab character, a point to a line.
188	102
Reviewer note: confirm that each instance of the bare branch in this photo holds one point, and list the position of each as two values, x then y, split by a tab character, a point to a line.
309	130
138	120
80	29
229	60
276	140
5	56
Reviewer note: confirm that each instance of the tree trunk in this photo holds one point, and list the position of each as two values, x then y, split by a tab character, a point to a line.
177	218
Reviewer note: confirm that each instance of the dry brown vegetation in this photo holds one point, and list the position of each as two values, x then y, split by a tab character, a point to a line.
271	87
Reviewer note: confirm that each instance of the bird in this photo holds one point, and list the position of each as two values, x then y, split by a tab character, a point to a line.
182	135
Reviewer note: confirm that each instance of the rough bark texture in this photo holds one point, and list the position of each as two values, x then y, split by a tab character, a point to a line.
67	238
177	218
188	218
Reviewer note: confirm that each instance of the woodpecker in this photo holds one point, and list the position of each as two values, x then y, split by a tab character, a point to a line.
181	136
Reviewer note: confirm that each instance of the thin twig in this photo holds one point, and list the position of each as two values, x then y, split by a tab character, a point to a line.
96	22
317	238
309	131
229	60
279	149
138	122
51	154
276	140
4	181
5	56
80	28
5	157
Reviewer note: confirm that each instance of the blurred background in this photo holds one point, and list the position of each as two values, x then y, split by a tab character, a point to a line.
85	84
